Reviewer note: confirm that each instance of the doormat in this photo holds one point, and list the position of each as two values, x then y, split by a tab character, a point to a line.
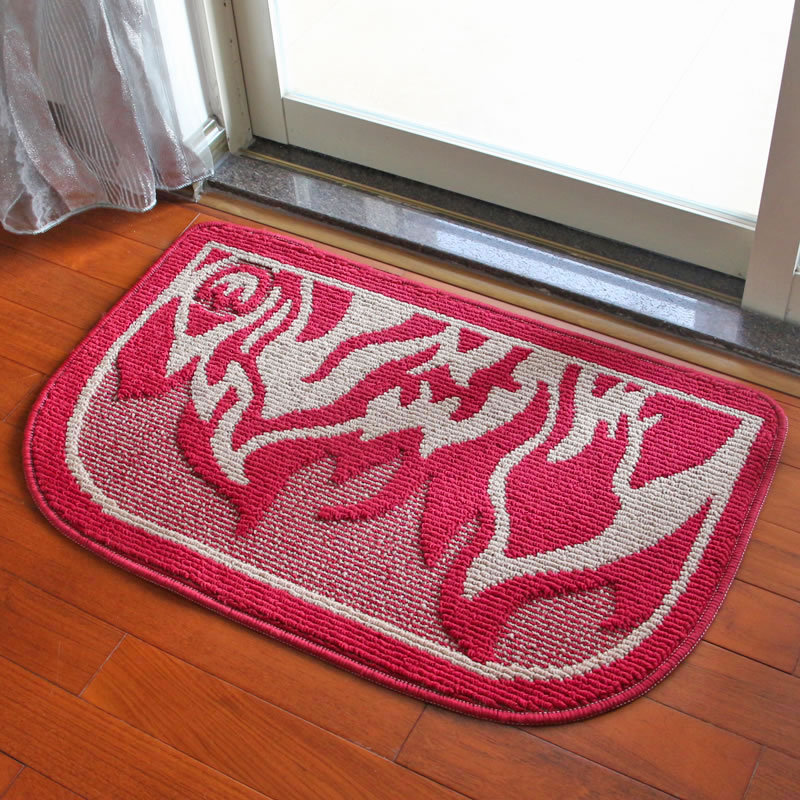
482	511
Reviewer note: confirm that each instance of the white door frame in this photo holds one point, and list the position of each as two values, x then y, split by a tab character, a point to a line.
217	42
728	244
773	283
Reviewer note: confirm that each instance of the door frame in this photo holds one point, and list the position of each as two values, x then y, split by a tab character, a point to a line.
773	280
767	254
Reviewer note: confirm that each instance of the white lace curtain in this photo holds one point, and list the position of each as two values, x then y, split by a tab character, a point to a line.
87	116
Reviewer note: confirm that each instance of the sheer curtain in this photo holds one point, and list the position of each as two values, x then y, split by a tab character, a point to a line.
87	116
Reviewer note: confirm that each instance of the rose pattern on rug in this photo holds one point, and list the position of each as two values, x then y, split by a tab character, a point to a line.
458	502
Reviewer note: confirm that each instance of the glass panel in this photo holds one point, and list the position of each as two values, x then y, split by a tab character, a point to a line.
675	100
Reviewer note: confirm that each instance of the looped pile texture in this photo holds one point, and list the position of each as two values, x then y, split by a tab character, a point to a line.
480	510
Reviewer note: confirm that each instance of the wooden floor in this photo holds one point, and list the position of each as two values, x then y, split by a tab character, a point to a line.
113	688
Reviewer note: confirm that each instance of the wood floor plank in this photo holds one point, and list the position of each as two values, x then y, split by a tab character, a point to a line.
35	339
782	505
158	227
9	769
93	753
777	778
791	449
738	694
214	722
487	761
16	381
208	214
12	482
662	747
32	785
18	416
49	637
57	291
772	560
786	400
345	704
758	624
100	254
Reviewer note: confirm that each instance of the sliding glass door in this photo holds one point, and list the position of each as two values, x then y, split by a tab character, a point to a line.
645	123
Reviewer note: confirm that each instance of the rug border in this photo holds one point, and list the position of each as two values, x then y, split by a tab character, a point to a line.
373	674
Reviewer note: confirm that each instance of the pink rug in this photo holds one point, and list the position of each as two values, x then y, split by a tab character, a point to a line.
485	512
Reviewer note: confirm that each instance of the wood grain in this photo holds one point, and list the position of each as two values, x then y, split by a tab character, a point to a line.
95	754
777	778
16	381
32	785
488	761
18	416
738	694
791	449
158	227
242	736
772	560
9	769
49	637
758	624
662	747
302	684
788	402
34	339
783	501
12	482
99	254
60	292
